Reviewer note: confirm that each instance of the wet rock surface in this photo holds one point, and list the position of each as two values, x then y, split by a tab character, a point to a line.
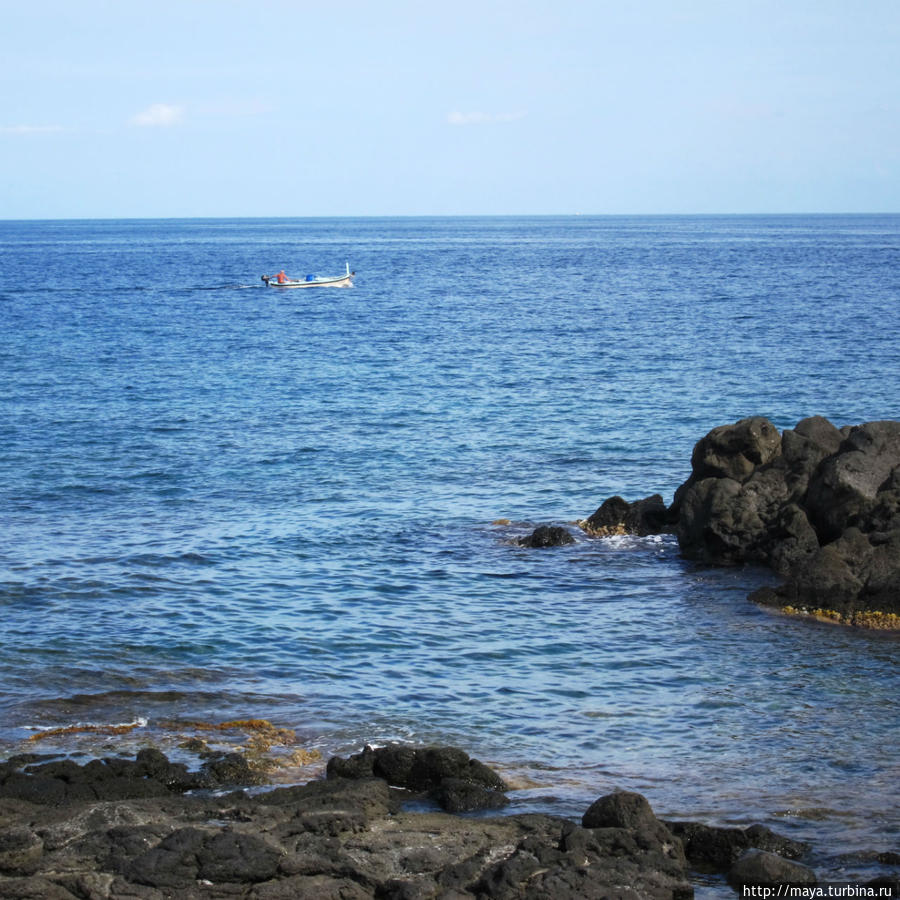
150	774
547	536
345	837
818	504
448	775
759	867
716	849
618	516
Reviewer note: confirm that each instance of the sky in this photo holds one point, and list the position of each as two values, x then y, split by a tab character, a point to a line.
226	108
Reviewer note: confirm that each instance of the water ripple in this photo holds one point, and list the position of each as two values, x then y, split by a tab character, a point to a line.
220	506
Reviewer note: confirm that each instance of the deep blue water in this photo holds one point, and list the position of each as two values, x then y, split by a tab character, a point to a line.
225	501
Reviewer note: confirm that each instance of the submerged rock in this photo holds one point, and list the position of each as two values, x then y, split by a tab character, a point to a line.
547	536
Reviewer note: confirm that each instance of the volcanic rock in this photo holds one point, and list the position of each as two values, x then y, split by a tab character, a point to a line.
454	780
618	516
342	838
759	867
547	536
817	504
710	847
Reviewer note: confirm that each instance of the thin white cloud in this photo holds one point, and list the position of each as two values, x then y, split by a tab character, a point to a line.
482	118
30	129
159	115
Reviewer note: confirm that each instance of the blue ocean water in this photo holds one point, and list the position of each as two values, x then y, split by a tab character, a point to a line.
224	501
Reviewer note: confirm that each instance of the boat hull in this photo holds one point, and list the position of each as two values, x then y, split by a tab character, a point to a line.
342	282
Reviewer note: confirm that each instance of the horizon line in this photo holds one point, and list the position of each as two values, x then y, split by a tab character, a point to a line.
570	215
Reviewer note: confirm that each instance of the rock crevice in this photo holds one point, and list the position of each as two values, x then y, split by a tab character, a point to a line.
348	836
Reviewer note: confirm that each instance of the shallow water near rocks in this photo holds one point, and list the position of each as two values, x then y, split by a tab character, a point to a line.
224	501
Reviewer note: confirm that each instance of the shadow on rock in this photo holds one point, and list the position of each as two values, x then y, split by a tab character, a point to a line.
817	504
348	837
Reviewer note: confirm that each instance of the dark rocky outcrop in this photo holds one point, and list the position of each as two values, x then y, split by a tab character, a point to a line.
192	854
759	867
150	774
716	849
618	516
337	838
818	504
622	809
736	451
547	536
448	775
744	500
457	795
349	837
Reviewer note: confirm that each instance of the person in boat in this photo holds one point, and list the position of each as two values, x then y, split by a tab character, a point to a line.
280	277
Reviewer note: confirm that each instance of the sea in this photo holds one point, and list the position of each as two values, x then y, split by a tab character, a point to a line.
225	503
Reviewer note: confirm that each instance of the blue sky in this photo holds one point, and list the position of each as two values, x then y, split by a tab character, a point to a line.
277	108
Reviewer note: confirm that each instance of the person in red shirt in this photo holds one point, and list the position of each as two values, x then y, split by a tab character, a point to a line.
280	277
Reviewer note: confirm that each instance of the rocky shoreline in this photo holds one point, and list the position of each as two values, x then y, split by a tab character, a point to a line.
819	505
148	829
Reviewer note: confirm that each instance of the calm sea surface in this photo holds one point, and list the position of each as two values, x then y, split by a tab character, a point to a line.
221	501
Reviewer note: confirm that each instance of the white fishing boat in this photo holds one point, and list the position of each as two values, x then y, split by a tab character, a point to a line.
282	281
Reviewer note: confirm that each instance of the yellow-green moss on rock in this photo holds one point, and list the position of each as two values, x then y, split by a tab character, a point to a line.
863	618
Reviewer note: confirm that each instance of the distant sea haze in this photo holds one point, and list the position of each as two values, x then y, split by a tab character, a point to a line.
223	501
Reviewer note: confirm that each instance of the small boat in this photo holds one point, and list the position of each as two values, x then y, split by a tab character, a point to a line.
310	281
